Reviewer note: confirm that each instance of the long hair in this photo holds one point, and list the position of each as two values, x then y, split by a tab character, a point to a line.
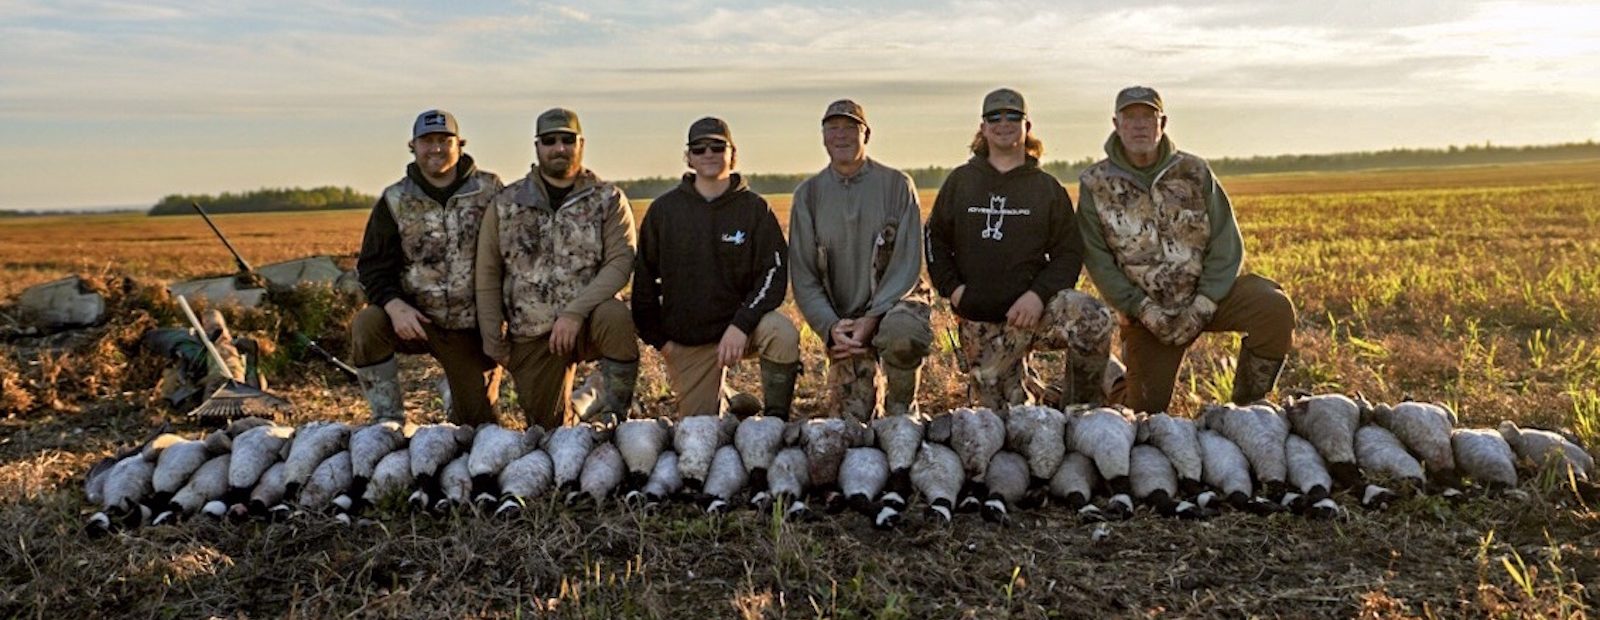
1033	145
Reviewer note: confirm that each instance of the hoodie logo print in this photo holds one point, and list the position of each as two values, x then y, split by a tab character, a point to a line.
991	228
737	238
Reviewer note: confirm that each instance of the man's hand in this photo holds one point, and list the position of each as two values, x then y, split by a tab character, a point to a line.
1025	311
842	339
564	335
731	349
1191	320
955	297
407	320
1156	319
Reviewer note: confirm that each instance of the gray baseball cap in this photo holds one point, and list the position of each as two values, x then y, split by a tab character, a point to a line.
558	120
848	109
434	121
1004	99
710	127
1139	94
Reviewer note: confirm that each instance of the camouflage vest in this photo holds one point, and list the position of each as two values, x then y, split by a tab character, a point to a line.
550	254
441	247
1158	235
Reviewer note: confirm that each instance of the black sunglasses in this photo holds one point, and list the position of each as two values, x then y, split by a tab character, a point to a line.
715	147
995	117
550	139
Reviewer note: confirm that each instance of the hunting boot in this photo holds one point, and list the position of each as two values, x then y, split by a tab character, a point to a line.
381	385
900	389
1082	382
777	388
1254	377
617	381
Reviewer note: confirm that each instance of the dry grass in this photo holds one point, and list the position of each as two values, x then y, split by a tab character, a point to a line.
1477	287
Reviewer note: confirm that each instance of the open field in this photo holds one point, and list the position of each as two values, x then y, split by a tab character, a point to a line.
1479	287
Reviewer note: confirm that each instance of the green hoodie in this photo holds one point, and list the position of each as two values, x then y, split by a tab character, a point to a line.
1224	253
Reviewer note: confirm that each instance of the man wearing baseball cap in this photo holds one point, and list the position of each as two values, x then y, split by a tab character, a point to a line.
1003	246
855	256
1162	246
709	279
557	247
416	265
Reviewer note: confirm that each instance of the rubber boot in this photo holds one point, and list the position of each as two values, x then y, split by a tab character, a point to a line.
1254	377
777	387
617	381
381	385
900	389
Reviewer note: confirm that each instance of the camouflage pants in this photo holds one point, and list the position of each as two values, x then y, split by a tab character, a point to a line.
904	337
997	353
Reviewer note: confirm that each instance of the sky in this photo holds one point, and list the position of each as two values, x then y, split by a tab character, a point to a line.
108	103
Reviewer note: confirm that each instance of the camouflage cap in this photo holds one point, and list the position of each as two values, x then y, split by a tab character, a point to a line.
710	127
558	120
434	121
1003	99
848	109
1139	94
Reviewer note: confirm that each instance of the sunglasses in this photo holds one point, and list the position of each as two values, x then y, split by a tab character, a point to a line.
995	117
564	138
715	147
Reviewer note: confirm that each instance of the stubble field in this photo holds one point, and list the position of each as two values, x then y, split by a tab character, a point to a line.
1478	287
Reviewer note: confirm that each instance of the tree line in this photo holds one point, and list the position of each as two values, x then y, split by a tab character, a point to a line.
267	199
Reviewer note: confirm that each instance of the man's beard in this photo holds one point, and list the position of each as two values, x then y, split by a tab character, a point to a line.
560	167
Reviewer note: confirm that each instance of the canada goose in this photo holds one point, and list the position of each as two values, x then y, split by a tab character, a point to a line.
1260	432
1006	479
641	442
329	479
1179	440
665	480
455	484
758	439
788	480
176	462
1541	449
862	476
696	439
602	473
313	443
1227	472
1381	454
825	441
526	478
126	483
204	489
938	477
369	445
1106	436
432	447
975	435
1155	482
1424	428
1483	455
1329	422
266	498
390	478
494	447
254	451
724	480
1309	479
1074	483
899	436
1039	434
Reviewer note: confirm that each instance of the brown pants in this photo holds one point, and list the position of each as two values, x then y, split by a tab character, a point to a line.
1255	306
544	380
697	378
473	377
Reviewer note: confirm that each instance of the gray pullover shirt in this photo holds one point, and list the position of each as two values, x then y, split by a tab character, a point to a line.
838	220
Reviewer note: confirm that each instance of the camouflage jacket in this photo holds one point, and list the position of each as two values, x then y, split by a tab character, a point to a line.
1166	234
537	261
440	244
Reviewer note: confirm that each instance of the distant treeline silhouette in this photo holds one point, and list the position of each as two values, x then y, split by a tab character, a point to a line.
1067	171
268	199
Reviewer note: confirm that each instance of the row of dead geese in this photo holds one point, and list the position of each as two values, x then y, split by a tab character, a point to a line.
1260	458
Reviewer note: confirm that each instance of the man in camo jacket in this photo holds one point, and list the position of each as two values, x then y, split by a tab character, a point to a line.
855	262
1003	246
416	266
1162	246
556	249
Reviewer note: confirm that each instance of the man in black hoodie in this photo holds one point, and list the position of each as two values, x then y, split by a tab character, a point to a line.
416	267
709	277
1003	246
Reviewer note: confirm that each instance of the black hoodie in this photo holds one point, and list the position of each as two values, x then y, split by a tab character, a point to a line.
1002	235
382	258
705	264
